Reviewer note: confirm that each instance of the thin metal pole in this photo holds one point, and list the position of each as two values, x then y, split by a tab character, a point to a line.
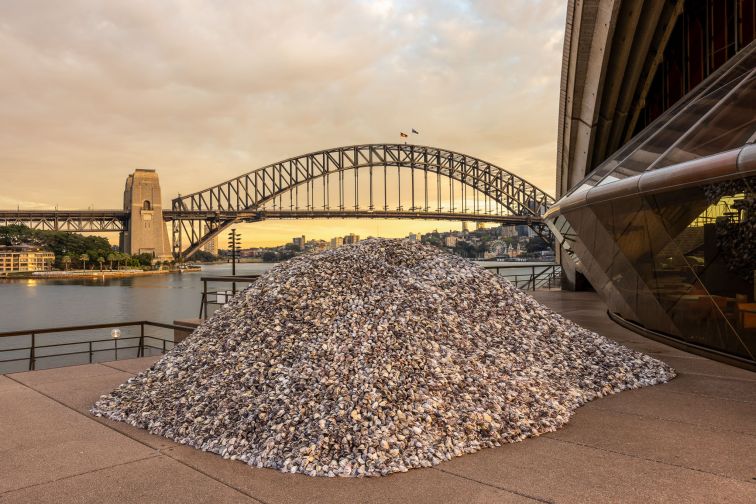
412	171
425	174
204	290
370	171
356	189
115	342
32	350
140	351
90	352
399	186
385	190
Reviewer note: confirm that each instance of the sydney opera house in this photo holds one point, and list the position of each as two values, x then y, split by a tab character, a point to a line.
657	168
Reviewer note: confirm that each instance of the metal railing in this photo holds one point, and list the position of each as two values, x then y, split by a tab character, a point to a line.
33	351
545	276
220	297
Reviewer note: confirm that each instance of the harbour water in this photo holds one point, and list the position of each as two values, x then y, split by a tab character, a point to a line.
37	304
27	304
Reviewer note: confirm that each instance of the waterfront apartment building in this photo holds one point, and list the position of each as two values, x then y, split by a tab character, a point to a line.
25	258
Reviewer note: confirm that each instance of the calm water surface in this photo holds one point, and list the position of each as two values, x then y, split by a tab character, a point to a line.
39	304
36	304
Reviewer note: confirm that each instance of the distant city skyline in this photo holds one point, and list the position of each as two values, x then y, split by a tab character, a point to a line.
319	229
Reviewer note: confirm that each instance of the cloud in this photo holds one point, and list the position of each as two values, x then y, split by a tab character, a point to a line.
204	90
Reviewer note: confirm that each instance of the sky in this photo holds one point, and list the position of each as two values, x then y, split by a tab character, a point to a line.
202	91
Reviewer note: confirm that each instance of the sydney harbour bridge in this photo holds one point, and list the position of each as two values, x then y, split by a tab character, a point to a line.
378	181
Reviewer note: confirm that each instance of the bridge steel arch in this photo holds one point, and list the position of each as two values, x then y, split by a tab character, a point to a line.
200	216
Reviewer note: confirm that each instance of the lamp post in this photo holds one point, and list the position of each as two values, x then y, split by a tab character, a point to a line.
115	334
234	243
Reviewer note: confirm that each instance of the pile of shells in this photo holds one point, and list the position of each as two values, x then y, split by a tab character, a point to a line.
371	359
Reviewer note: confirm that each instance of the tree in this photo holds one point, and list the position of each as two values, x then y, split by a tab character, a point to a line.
111	258
144	259
269	256
537	244
66	260
121	258
84	258
100	260
202	256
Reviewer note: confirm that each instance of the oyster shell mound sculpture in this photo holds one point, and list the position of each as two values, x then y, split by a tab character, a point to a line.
374	358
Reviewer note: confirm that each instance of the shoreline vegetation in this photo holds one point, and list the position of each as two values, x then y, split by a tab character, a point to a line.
79	274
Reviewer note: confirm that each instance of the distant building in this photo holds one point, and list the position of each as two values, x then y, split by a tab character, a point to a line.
337	242
211	247
450	241
351	239
508	232
299	241
25	258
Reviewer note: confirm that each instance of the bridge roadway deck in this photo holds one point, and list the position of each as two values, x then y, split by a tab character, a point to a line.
10	216
692	440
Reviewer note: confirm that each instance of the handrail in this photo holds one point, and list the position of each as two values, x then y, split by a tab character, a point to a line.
230	278
33	355
90	326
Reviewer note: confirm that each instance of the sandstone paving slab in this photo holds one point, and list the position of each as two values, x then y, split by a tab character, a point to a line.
80	393
156	479
274	487
722	453
711	413
569	473
7	384
134	366
60	374
29	419
693	364
711	386
50	441
151	440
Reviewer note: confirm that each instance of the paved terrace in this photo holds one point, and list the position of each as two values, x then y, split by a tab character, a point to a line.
692	440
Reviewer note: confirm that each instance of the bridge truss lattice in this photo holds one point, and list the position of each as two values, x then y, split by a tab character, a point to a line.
361	181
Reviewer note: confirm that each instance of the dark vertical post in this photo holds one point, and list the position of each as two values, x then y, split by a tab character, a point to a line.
203	308
370	174
385	191
234	242
90	352
32	350
140	351
399	187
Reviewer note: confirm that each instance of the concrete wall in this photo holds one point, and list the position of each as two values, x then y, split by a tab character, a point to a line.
147	232
611	50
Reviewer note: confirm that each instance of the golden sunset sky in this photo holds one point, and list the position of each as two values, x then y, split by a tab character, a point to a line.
203	91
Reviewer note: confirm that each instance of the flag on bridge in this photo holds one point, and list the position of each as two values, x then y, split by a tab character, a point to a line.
415	131
403	134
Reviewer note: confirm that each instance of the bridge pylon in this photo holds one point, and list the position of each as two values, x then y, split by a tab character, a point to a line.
146	232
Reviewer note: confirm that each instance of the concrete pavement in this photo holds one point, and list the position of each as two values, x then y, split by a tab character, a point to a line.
692	440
